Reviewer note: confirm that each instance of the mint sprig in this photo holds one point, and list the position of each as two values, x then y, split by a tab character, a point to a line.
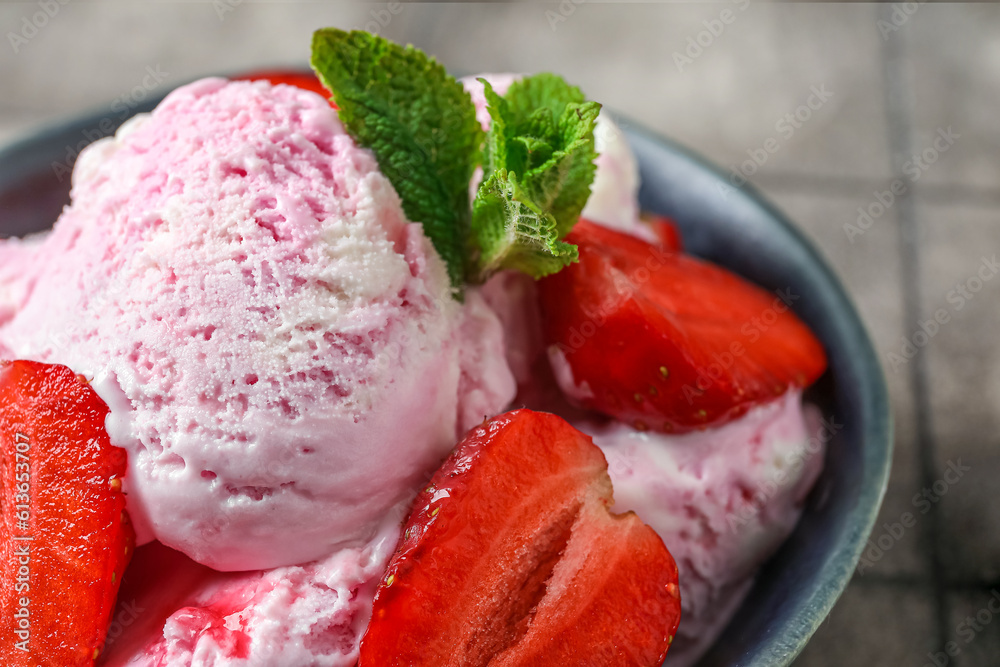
539	166
421	125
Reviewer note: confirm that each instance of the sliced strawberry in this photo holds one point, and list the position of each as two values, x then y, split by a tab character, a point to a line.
511	557
665	341
667	232
65	538
297	78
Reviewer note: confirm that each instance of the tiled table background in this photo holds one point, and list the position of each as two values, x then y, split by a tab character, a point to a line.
897	80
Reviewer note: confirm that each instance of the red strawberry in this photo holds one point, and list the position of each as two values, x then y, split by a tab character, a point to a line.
511	558
665	341
297	78
65	539
667	232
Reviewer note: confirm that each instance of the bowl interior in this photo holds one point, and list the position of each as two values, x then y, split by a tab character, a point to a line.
737	228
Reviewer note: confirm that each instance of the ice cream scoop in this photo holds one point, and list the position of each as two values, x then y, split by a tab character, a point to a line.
278	343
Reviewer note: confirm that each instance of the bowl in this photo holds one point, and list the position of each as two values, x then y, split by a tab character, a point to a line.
735	227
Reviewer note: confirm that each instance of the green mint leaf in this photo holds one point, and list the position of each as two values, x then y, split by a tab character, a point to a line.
513	232
419	122
543	91
538	169
561	179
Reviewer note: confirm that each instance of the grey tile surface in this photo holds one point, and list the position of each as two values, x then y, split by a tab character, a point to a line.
964	364
730	99
970	514
974	629
727	101
961	245
875	625
955	72
90	54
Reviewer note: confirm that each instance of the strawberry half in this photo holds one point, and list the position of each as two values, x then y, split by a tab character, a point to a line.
511	558
297	78
667	233
65	539
665	341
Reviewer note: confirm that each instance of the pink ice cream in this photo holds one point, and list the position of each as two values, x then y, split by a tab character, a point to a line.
277	342
173	611
723	500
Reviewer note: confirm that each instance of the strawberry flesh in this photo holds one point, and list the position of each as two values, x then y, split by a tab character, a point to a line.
664	341
65	539
511	557
667	232
297	78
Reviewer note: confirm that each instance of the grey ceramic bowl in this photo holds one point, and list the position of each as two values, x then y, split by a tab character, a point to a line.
737	228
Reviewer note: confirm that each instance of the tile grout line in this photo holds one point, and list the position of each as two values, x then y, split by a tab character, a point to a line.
818	184
899	109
